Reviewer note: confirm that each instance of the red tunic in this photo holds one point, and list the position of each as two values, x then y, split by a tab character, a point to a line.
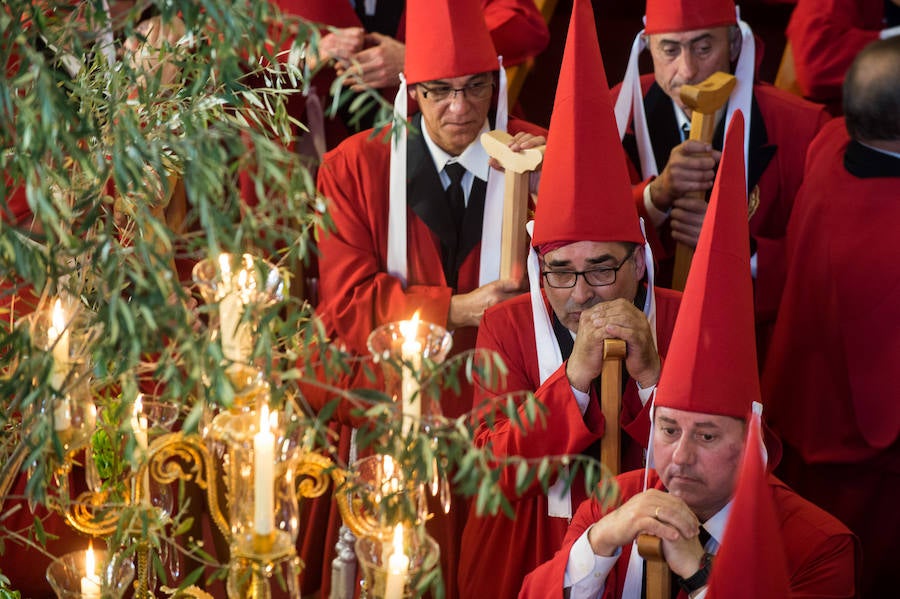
517	546
837	339
358	294
825	36
778	143
820	551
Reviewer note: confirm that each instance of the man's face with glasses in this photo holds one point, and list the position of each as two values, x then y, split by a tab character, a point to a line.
583	274
454	109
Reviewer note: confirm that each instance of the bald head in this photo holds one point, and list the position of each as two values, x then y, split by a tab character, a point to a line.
872	93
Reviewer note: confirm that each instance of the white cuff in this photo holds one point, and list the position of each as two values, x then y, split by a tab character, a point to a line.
645	394
586	572
581	398
700	593
890	32
657	216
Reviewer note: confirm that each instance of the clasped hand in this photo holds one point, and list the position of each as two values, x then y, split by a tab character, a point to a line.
655	513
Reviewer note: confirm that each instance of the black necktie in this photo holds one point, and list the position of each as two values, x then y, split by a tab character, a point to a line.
456	197
686	130
456	204
704	537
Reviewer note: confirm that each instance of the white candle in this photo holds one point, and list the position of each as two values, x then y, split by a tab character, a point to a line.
263	475
58	338
90	582
411	354
397	567
237	340
141	437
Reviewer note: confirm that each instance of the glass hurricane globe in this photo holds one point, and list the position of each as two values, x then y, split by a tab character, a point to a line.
65	575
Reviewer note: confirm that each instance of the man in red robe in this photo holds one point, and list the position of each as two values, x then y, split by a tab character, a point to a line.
403	239
838	331
597	283
700	414
689	40
825	36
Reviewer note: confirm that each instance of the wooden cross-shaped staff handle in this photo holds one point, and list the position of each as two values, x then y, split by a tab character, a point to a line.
517	167
704	100
611	404
659	581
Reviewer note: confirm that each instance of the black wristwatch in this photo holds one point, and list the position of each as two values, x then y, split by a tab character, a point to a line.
699	578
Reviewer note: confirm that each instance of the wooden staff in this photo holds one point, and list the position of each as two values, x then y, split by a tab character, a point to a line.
517	166
611	404
659	581
704	100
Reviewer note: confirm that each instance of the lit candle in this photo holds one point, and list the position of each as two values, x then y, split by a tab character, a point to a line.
58	338
263	475
90	582
397	567
411	353
237	341
141	437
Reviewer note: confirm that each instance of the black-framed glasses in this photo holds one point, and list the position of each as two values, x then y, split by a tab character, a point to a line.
596	277
476	90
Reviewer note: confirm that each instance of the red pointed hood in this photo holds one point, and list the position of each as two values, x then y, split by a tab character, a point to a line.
445	39
711	365
670	16
585	192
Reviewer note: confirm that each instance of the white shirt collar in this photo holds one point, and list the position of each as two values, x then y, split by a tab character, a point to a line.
715	526
681	118
880	151
474	158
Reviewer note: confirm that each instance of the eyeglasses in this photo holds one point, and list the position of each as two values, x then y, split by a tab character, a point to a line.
476	90
596	277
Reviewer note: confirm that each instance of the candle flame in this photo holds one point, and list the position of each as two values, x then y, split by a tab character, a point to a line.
138	406
225	266
388	466
90	566
57	320
398	540
409	328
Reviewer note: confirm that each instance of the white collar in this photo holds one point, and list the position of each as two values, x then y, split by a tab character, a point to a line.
715	526
474	158
680	117
879	150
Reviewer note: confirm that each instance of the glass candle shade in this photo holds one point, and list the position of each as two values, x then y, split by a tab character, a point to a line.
381	576
65	332
385	493
401	348
68	575
258	468
241	286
